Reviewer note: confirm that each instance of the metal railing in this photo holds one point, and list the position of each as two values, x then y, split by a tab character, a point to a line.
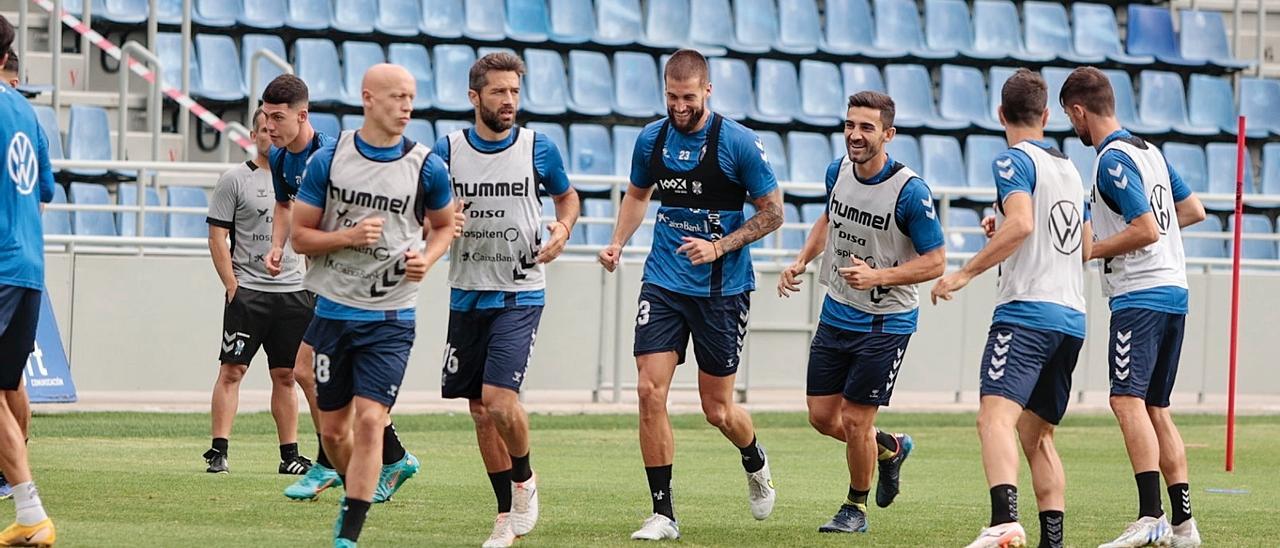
252	101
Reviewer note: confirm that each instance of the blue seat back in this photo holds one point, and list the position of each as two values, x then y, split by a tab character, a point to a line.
755	23
822	90
572	21
485	19
624	145
849	25
357	58
49	123
1205	248
597	233
636	84
1212	102
905	150
169	50
443	18
943	161
1083	158
267	71
947	25
979	151
421	131
1189	162
996	27
187	225
809	158
452	63
399	17
799	25
354	16
1096	30
91	223
414	58
218	13
553	132
809	213
1164	100
777	89
545	82
1271	169
667	22
1126	105
776	153
732	80
998	76
119	11
619	21
1054	77
1203	36
1151	32
219	67
527	20
591	81
352	122
898	25
962	217
1047	29
964	94
315	60
326	123
127	195
711	23
263	14
309	14
1221	161
861	77
591	150
1254	223
912	90
57	222
445	127
88	134
1260	103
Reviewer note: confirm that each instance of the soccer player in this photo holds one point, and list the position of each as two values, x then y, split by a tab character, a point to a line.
1140	206
25	186
698	276
1039	240
17	399
496	272
878	238
261	310
360	215
294	141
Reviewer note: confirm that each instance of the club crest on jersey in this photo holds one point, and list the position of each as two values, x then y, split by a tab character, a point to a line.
1064	226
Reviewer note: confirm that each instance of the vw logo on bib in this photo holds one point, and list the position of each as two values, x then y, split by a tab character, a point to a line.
21	163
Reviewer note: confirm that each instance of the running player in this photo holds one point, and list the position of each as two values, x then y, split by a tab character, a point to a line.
498	280
1140	207
25	186
1039	241
261	310
361	212
878	238
17	399
698	277
285	101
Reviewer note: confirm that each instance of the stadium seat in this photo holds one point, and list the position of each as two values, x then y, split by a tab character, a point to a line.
998	31
357	16
809	213
905	150
792	238
666	23
1151	33
1254	224
1097	33
554	132
1271	169
91	223
89	138
1189	163
572	21
251	44
1083	157
1048	32
315	60
262	14
187	225
127	194
979	152
822	99
644	235
598	233
55	221
1260	105
969	242
755	25
861	77
325	123
49	123
396	17
1212	103
912	89
776	153
218	67
414	58
963	97
838	148
850	30
809	158
590	153
309	15
485	20
1055	77
452	62
618	22
169	50
638	93
442	18
169	11
1205	248
357	58
948	28
778	94
733	96
579	234
943	161
711	27
546	89
1126	106
1164	103
898	28
527	20
352	122
799	27
1221	161
1203	37
445	127
215	13
120	12
624	146
998	76
590	83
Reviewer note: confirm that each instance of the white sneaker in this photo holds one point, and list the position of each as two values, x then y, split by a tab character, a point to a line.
1186	534
524	506
1147	531
760	491
657	527
502	535
1005	535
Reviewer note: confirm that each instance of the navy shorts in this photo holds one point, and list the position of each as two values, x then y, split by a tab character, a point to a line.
1143	353
862	366
488	346
718	325
19	316
355	358
1030	366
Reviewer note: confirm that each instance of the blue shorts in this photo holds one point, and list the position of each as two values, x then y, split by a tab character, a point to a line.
19	316
1144	352
666	319
488	346
862	366
354	358
1030	366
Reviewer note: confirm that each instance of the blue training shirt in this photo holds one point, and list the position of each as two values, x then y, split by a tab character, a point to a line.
1034	314
315	181
548	167
1131	202
286	177
915	216
742	159
25	182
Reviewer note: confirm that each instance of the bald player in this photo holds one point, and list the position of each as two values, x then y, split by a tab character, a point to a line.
365	203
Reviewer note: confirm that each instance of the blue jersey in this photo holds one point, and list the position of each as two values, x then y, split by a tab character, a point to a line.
315	180
1130	201
25	182
287	167
915	216
740	160
548	165
1034	314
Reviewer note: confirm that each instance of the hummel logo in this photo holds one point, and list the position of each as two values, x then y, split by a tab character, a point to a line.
1115	172
1123	350
998	362
1007	174
262	193
1122	361
1004	163
1186	505
229	340
517	377
1004	338
928	204
1123	336
1000	350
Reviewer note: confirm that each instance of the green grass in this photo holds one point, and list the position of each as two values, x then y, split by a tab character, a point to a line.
113	479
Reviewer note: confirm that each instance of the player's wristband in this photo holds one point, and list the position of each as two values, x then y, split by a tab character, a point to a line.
561	223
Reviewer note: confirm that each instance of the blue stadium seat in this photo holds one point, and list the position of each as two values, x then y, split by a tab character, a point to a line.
452	62
169	50
905	150
442	18
357	58
414	58
1097	33
948	28
590	83
325	123
187	225
624	146
711	26
263	14
998	76
850	30
1054	77
861	77
546	89
1258	224
445	127
963	97
666	23
912	89
809	213
838	147
527	20
755	24
778	93
776	153
1189	162
962	217
215	13
1205	248
590	153
1260	105
898	28
120	12
997	31
792	238
1151	33
979	151
638	93
252	43
809	158
644	235
554	132
598	234
315	60
1048	32
485	20
822	99
1203	37
799	27
169	11
1221	161
572	21
49	123
220	77
1271	169
618	22
88	138
1164	103
127	194
396	17
733	96
57	222
943	161
579	234
352	122
309	15
1083	157
91	223
1212	103
1126	105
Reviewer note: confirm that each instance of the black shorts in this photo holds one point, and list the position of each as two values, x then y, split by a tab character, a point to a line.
19	316
861	366
273	321
359	358
1031	367
488	346
666	319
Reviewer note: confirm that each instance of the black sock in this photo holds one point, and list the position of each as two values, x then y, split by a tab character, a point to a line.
501	482
660	490
1149	494
887	444
353	514
220	445
1004	504
1051	529
520	470
321	458
752	457
857	498
288	451
1180	500
392	451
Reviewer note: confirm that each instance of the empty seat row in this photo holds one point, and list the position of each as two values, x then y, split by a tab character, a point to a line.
106	223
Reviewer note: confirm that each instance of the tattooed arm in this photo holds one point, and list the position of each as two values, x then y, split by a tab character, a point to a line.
767	219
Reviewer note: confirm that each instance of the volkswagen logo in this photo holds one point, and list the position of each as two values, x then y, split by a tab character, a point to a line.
1160	199
21	162
1064	224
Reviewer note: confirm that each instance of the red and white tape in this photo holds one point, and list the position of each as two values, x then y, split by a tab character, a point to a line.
147	74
